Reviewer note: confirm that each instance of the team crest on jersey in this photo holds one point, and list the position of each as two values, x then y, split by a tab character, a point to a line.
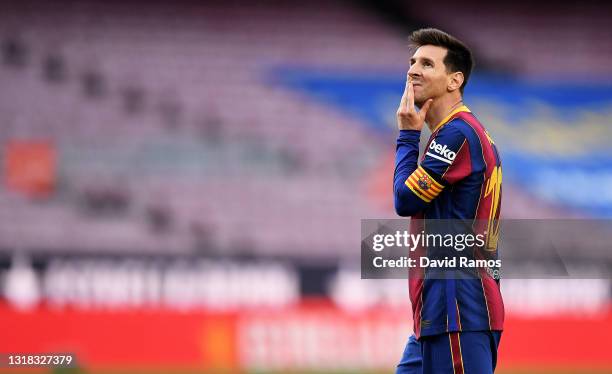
424	182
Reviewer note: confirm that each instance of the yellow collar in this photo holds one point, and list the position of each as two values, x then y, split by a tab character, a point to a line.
462	108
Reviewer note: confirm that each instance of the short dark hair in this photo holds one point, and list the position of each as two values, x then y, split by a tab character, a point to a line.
458	55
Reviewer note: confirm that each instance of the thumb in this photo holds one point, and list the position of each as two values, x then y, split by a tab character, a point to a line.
425	107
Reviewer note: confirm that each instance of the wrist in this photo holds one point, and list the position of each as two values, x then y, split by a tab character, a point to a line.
409	135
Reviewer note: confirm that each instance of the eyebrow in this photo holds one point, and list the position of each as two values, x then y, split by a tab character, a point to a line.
426	59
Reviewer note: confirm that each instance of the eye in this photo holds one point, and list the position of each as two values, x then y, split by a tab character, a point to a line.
427	63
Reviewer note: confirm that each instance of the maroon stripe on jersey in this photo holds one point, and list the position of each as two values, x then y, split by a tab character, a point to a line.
462	165
415	287
457	356
416	276
495	303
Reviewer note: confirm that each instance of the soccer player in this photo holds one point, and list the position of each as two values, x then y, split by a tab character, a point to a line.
458	321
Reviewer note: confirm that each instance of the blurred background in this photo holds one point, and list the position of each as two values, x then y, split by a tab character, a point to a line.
183	182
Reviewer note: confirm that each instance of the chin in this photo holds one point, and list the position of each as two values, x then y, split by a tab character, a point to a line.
419	101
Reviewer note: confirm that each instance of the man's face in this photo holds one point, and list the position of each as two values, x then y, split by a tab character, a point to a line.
428	73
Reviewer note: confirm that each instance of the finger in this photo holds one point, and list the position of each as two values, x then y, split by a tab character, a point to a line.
410	95
404	100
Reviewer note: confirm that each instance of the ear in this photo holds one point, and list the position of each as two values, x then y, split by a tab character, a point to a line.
455	80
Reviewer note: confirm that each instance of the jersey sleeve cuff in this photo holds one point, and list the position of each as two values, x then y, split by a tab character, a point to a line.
409	136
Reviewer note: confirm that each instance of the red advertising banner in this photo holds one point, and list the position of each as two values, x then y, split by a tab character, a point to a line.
310	336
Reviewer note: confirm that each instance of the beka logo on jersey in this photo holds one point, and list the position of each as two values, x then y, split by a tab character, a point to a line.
446	154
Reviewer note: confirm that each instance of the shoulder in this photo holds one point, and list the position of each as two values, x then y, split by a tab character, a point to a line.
460	128
453	132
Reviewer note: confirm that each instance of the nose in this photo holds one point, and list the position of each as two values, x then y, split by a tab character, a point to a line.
414	71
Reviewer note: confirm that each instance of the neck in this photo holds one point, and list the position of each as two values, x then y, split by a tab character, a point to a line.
440	108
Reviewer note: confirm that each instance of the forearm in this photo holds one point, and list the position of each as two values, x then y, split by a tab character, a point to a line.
406	162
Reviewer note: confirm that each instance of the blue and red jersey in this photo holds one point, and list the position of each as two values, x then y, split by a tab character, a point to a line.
458	178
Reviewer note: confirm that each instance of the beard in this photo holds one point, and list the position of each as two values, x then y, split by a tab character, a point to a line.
422	96
419	101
